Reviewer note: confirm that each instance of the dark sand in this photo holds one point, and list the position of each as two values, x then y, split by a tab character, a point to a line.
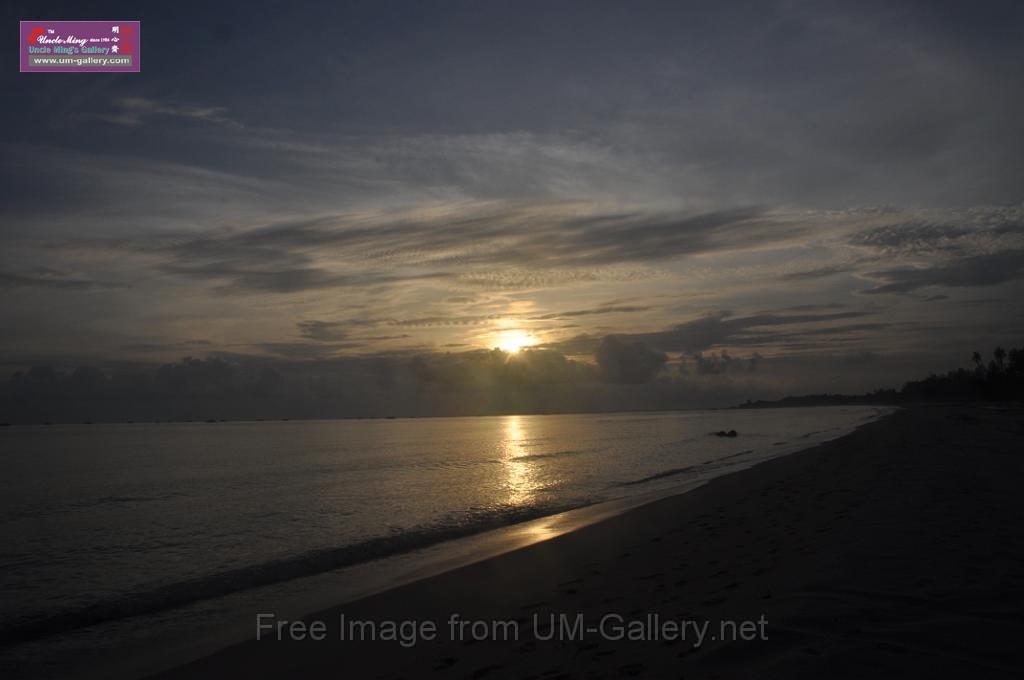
897	551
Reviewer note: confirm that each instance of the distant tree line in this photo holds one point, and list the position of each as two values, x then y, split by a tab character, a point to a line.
1001	379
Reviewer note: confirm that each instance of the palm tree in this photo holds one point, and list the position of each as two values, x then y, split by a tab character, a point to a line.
1000	356
979	365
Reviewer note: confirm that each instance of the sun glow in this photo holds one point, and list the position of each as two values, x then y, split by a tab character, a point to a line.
513	341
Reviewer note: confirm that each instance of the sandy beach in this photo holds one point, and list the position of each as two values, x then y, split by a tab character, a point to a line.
896	551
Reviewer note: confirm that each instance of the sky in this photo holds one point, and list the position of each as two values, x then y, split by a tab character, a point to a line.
682	204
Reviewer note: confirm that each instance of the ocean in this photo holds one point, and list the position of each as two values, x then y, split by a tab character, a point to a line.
119	542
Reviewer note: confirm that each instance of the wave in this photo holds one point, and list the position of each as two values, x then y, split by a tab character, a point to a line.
661	475
683	470
183	593
553	454
59	508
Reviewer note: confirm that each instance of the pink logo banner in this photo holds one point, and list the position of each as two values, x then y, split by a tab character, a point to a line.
81	46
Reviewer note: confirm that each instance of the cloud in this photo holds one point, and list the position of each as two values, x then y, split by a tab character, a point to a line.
720	364
235	278
912	237
817	272
766	330
43	277
722	328
947	233
133	111
542	236
165	347
625	361
304	350
436	321
322	331
602	309
815	307
966	272
478	245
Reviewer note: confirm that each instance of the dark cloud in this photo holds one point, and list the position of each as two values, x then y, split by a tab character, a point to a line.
289	257
621	360
618	239
304	350
723	328
966	272
233	277
134	111
42	277
912	236
301	384
982	301
603	309
816	307
817	272
439	321
296	384
165	347
583	344
720	364
381	338
322	331
978	228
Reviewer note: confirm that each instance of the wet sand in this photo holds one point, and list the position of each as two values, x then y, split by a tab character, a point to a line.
896	551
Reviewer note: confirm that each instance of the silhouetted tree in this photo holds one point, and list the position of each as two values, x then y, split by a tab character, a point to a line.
1000	380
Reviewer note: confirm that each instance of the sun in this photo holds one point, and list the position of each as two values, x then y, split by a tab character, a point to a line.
513	341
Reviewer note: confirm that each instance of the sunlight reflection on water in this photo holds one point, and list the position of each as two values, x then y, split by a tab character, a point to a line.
521	482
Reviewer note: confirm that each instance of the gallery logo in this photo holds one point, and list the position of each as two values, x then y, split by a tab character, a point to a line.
81	46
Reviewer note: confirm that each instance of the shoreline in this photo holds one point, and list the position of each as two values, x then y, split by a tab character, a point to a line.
744	566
